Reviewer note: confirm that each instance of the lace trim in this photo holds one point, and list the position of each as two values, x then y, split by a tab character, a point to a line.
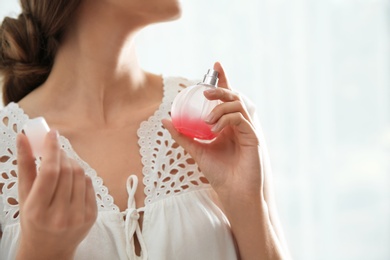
178	172
11	122
168	169
9	177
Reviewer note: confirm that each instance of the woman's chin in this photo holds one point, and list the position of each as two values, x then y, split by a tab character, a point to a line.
172	13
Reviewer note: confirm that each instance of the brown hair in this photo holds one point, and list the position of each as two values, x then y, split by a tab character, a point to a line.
29	43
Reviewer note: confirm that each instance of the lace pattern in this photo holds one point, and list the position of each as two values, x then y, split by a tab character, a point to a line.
11	122
168	169
177	172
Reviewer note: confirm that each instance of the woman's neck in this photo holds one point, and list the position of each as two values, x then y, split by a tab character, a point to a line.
96	70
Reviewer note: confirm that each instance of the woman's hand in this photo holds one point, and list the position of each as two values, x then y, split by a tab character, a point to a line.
231	163
57	204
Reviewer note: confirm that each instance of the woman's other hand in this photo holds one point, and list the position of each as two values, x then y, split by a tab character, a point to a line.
57	203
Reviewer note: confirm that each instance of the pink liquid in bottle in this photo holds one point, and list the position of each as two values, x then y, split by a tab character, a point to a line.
190	109
194	128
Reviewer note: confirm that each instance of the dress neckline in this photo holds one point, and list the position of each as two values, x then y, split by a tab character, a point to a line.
104	198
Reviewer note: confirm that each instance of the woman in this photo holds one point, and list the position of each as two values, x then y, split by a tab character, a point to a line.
73	62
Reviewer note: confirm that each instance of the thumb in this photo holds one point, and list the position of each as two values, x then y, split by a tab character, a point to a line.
26	167
191	146
223	81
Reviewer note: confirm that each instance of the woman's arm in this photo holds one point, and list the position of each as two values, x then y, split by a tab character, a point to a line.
269	193
254	233
234	166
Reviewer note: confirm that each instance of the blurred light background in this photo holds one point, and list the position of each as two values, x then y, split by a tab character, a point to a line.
319	74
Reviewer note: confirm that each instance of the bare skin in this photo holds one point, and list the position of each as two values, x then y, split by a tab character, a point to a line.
97	95
60	202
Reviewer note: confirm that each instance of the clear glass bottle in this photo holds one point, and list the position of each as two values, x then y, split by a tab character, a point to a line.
190	108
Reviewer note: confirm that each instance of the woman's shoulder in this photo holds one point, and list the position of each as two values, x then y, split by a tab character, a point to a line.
11	109
11	121
12	118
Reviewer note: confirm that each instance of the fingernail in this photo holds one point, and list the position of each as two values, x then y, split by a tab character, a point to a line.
53	134
209	118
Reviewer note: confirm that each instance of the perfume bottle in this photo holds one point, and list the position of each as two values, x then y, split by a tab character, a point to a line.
190	108
36	130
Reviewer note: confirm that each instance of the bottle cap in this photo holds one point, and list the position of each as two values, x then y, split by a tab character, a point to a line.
36	130
211	78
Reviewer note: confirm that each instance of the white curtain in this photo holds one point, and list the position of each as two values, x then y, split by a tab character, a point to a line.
319	73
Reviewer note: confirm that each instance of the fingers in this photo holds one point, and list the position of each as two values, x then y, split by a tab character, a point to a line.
187	143
83	199
26	167
225	95
59	205
90	201
224	109
63	193
78	198
232	103
79	188
46	181
178	137
228	110
232	114
236	120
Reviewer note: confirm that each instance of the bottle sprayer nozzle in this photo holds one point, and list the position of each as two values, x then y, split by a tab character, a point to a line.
211	78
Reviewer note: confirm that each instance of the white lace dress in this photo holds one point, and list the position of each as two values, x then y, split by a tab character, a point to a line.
181	216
